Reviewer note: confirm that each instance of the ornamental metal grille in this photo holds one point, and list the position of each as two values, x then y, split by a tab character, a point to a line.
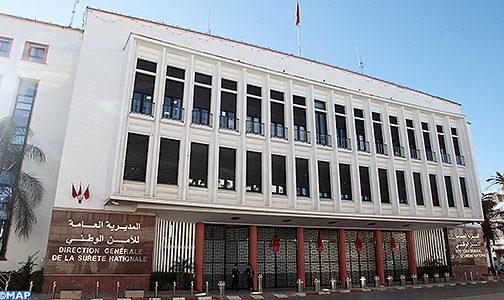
395	263
361	263
324	265
225	246
279	269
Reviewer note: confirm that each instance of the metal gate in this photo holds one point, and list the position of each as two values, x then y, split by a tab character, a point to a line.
279	269
225	246
321	265
395	262
363	262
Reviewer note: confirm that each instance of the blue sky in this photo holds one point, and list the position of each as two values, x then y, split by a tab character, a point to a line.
453	49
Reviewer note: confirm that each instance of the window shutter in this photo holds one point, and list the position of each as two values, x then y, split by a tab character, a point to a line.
418	188
277	113
168	161
254	168
228	102
144	84
364	183
434	190
202	97
449	191
302	179
384	187
136	157
227	163
345	181
278	170
401	187
299	116
253	107
324	177
174	89
199	161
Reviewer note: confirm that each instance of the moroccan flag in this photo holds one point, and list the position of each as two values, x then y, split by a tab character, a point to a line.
358	244
392	245
297	13
74	192
275	243
86	193
320	245
80	190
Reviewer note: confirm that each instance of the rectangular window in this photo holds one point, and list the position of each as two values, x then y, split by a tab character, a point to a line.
174	94
227	168
198	170
300	132
136	157
254	172
401	187
324	176
417	180
365	184
174	72
302	177
278	174
202	97
5	46
24	102
299	100
228	118
254	90
229	84
276	95
449	191
339	109
254	124
321	129
143	89
35	52
360	131
341	132
358	113
434	190
203	78
278	128
168	161
345	182
463	190
384	187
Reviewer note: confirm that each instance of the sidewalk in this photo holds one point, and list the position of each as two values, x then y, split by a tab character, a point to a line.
274	294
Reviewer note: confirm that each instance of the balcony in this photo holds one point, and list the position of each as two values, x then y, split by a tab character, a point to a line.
302	135
446	158
254	127
278	131
381	148
202	116
172	112
460	160
415	153
363	146
399	151
344	143
142	106
229	123
323	139
431	155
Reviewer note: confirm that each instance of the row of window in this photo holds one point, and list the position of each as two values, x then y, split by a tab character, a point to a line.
33	52
143	103
136	164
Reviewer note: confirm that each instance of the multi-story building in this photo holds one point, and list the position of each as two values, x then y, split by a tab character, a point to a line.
183	145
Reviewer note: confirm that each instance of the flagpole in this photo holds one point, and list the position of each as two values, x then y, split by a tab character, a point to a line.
299	41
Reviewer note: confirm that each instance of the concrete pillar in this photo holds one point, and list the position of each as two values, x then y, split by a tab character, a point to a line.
342	255
198	255
379	256
300	254
411	252
253	251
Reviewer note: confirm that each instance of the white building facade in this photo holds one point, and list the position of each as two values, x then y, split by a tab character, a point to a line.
242	154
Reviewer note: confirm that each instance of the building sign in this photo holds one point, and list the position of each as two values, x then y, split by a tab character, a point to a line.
466	246
88	242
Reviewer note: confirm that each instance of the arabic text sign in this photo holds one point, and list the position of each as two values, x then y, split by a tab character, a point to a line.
86	242
466	246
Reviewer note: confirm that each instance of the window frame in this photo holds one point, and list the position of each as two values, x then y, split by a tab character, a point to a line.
27	49
10	41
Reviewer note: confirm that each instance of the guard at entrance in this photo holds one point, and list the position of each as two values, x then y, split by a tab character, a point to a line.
249	272
236	274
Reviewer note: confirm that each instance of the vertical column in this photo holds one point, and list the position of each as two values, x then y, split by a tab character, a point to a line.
300	254
198	255
411	252
253	252
342	255
379	256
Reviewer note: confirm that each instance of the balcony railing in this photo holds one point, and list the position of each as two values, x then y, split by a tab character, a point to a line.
344	143
381	148
431	155
143	107
323	139
278	131
302	135
363	146
399	151
202	117
460	160
173	112
254	127
446	158
229	123
415	153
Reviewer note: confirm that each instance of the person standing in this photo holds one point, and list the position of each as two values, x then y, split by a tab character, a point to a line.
249	273
236	274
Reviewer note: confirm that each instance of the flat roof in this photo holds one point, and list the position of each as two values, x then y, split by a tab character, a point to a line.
40	22
273	51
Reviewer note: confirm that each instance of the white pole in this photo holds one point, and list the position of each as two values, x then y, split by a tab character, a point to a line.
299	41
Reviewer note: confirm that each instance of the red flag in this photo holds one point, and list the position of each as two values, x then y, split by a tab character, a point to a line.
80	190
320	245
393	245
86	193
275	243
74	192
297	13
358	244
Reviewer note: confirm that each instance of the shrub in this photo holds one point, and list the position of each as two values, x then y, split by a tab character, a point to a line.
432	266
165	280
